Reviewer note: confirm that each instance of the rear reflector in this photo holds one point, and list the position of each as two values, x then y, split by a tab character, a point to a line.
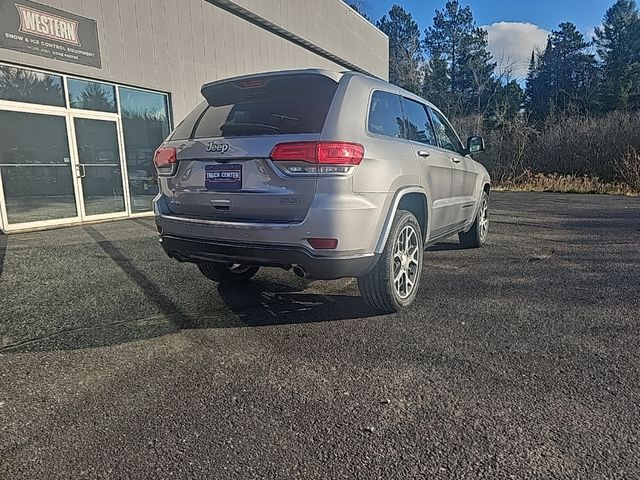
164	157
323	243
326	153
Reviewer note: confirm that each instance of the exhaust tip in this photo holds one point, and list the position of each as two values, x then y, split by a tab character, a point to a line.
299	271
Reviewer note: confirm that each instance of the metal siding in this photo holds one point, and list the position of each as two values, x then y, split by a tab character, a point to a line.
145	42
130	42
160	45
210	47
236	42
113	44
339	30
176	45
184	55
248	48
200	59
219	41
188	55
93	9
173	55
264	52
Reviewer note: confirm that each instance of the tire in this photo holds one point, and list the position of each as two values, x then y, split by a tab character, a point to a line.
378	288
477	235
229	273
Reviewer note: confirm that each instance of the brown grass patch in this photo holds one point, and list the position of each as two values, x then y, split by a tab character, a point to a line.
540	182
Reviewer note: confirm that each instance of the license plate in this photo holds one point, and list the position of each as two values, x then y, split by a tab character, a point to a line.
223	177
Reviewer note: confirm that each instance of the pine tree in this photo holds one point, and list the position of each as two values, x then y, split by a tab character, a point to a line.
618	45
405	49
505	105
459	60
562	77
360	6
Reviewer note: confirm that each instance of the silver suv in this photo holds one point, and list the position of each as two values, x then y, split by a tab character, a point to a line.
327	174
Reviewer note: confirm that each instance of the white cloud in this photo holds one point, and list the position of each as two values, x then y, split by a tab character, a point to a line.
513	42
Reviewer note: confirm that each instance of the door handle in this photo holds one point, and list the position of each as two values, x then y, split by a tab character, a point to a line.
81	171
424	153
456	160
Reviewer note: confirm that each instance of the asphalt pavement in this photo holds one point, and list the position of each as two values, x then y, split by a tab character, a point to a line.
517	360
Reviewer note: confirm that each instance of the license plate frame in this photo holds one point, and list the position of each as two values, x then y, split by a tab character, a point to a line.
223	177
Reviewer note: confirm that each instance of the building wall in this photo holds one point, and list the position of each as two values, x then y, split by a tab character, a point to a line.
332	25
177	45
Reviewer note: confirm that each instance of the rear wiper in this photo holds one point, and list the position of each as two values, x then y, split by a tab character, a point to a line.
282	118
252	127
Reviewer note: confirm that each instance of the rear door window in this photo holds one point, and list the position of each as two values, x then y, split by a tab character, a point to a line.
286	104
385	115
419	128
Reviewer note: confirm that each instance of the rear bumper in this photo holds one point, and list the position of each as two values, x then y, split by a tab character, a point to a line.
280	244
196	250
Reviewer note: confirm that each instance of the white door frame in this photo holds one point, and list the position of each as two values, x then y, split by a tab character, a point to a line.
109	117
6	105
69	113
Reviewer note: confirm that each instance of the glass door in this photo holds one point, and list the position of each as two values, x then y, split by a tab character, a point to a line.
99	167
36	170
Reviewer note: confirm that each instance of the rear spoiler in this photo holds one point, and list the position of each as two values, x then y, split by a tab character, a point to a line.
268	85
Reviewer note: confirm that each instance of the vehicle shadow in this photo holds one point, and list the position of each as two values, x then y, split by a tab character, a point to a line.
259	304
444	246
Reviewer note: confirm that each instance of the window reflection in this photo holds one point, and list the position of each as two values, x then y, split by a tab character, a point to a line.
418	125
36	168
385	115
91	95
102	176
20	85
145	123
35	155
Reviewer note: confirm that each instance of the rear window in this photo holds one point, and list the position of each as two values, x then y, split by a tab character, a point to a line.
185	128
262	106
385	115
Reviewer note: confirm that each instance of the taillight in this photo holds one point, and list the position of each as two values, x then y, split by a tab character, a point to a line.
327	157
164	159
340	153
295	151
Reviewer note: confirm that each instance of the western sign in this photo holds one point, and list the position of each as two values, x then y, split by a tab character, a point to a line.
47	25
30	27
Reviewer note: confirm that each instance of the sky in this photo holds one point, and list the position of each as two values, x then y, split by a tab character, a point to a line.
515	27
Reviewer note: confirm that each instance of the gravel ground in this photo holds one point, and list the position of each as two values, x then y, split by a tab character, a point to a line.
518	360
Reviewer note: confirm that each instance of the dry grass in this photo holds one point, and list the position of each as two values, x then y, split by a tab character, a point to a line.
628	168
540	182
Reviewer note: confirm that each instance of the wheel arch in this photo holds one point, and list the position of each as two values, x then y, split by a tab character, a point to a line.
412	199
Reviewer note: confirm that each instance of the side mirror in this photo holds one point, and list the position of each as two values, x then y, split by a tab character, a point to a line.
475	144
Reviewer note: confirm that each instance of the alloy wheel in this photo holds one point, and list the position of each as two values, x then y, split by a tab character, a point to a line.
406	262
483	221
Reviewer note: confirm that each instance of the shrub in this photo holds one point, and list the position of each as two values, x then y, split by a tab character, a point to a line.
628	168
602	148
